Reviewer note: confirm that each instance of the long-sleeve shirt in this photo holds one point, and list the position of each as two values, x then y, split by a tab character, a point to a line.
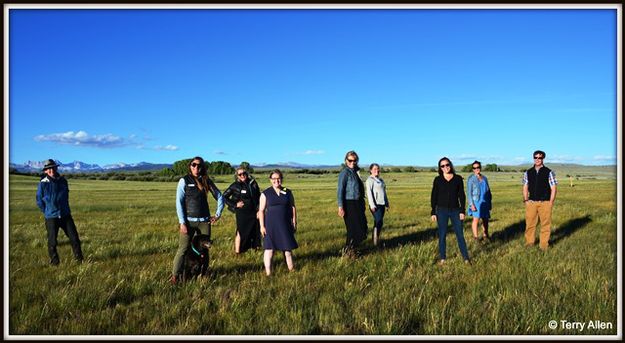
180	193
376	192
449	194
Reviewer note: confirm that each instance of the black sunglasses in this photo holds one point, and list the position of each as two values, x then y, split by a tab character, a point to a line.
477	168
538	158
444	165
195	164
240	174
350	161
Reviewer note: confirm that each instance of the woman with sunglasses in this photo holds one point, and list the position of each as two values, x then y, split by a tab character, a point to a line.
193	212
278	221
448	202
480	204
242	198
351	200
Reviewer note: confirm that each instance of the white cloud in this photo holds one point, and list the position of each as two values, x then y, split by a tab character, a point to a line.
82	138
565	159
168	147
218	152
314	152
604	158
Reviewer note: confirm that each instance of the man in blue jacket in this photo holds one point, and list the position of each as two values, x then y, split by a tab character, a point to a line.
53	200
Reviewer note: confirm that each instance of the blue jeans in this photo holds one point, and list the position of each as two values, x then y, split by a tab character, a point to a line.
443	215
378	217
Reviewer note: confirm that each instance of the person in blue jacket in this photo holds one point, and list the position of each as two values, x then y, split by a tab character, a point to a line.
351	201
480	200
53	201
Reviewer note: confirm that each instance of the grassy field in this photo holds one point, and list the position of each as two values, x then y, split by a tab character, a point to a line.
129	235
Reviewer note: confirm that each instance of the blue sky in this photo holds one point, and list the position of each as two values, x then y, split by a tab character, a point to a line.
402	87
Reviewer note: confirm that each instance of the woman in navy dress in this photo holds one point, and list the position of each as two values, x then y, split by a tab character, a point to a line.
278	221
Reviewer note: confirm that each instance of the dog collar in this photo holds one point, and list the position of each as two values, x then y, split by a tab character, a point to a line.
195	251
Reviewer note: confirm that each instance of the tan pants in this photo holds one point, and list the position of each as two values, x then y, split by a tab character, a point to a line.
533	211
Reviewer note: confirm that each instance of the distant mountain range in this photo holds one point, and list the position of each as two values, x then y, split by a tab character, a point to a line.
82	167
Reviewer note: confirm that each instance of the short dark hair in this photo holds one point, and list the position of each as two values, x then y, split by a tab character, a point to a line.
276	171
476	162
539	152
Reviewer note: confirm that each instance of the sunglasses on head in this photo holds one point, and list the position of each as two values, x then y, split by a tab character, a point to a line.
444	165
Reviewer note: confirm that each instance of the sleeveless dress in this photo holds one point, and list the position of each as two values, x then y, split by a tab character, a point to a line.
279	221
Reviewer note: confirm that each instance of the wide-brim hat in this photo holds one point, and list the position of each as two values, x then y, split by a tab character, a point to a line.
50	164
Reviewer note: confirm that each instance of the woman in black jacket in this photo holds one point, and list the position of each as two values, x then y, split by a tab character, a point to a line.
242	198
448	202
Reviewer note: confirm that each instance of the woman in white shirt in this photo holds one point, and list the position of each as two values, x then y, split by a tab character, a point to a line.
378	202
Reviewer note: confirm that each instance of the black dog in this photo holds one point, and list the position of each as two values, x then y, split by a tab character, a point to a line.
196	259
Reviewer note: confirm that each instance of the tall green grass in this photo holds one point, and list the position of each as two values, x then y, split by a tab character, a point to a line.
129	235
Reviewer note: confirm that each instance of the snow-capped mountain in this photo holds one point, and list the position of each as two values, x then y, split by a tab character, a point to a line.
82	167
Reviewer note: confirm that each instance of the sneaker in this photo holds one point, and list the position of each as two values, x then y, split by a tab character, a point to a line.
467	262
441	262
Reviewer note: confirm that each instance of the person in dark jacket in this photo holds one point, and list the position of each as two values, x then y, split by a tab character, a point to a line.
193	212
539	194
351	201
448	202
53	201
242	198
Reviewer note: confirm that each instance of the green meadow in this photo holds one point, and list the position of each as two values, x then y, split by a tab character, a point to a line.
129	236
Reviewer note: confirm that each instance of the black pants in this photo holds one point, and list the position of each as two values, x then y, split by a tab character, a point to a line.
355	222
67	224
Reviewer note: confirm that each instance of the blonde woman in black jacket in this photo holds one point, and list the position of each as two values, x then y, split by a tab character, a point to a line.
242	198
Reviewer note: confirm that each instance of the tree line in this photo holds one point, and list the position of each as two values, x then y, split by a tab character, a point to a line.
181	168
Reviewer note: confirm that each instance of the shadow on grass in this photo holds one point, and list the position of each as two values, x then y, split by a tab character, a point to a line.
278	258
240	268
509	233
569	228
419	236
516	230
